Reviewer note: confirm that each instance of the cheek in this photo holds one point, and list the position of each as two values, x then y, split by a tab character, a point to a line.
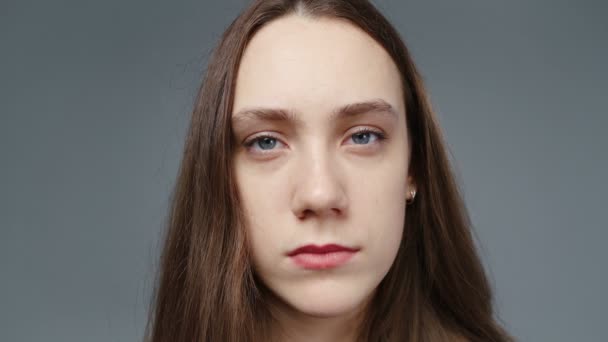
380	208
385	227
261	209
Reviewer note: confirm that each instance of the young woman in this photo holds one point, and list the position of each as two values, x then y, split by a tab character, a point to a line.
315	200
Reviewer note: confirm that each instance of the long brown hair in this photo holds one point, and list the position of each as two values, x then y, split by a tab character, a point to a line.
436	289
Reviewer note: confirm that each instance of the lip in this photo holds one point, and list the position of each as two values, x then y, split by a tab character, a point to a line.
322	257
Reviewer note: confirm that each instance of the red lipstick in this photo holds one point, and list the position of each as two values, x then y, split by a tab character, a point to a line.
321	257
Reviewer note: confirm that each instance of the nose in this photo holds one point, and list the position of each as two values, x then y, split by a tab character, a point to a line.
319	189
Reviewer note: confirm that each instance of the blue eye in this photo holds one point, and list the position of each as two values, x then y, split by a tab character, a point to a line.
266	143
363	136
262	142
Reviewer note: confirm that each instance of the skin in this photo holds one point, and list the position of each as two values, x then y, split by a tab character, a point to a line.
315	180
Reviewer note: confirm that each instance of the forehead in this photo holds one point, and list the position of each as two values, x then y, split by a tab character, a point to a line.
315	65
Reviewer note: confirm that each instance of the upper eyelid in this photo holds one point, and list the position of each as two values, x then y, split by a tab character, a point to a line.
256	136
367	128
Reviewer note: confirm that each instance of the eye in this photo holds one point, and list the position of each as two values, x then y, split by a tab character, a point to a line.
264	142
365	136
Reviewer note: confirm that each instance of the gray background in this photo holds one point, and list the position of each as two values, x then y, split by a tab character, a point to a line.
94	102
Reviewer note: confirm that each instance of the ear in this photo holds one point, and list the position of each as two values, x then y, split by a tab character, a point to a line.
411	183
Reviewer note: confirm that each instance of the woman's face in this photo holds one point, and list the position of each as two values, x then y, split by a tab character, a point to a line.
322	159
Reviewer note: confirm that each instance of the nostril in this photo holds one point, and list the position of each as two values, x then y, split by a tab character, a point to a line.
311	212
305	213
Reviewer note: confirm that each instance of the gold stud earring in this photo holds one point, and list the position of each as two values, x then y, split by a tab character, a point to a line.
410	199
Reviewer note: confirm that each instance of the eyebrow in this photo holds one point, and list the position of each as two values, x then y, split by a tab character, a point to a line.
350	110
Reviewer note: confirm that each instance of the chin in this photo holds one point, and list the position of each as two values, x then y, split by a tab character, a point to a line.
326	300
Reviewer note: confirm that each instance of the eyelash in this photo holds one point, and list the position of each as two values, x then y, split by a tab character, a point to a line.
381	136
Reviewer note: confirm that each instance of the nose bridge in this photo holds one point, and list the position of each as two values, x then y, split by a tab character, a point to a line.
320	188
321	169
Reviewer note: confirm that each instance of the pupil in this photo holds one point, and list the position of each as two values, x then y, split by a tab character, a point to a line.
267	143
361	138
